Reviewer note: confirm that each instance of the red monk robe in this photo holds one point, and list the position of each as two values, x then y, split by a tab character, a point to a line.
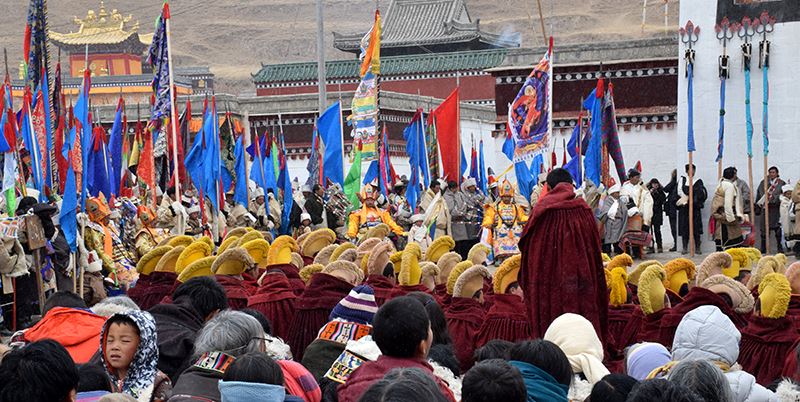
159	284
793	313
696	297
505	320
275	299
618	319
293	274
464	317
382	287
764	346
440	293
400	291
235	290
562	269
312	309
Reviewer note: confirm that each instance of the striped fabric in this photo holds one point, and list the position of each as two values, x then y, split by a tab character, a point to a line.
358	306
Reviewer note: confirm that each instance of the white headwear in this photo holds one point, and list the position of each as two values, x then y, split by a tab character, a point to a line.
304	216
194	208
417	218
259	192
787	188
576	336
614	189
469	182
305	189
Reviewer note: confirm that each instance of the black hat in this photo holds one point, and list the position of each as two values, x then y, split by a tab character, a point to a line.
634	173
25	204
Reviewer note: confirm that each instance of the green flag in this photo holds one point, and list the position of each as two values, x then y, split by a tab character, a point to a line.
276	164
352	183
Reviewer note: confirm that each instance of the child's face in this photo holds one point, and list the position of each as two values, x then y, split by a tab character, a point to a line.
307	222
418	223
121	344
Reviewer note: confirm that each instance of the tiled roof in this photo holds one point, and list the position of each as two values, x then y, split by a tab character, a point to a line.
393	65
426	22
96	37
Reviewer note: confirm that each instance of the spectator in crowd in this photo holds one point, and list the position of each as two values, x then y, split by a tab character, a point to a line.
493	380
42	371
612	388
704	379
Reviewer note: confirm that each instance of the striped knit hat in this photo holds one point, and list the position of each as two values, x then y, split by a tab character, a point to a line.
359	306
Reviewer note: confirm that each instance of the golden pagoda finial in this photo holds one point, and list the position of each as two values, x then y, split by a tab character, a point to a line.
102	12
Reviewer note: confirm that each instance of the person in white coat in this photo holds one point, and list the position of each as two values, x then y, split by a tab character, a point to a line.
706	333
640	204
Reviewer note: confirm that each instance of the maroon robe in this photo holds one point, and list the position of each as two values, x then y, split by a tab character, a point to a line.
793	313
372	371
251	283
159	285
562	271
674	298
235	290
696	297
464	317
618	319
505	320
764	346
790	364
140	289
312	310
488	294
404	290
382	287
293	274
440	293
275	299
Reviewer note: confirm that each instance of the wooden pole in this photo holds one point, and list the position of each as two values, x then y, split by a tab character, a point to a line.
766	205
541	21
752	189
691	205
37	266
173	121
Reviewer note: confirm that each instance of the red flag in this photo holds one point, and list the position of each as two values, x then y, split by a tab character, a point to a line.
553	159
448	132
564	159
639	166
146	169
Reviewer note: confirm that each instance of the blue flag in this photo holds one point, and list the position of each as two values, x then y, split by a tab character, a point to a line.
463	164
240	191
373	173
592	162
97	169
45	93
115	148
288	199
482	181
330	128
67	216
524	178
508	147
32	146
416	150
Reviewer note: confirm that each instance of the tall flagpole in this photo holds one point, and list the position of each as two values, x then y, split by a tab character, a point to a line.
172	99
321	79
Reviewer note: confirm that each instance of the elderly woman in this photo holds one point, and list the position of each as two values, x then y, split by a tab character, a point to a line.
704	378
224	338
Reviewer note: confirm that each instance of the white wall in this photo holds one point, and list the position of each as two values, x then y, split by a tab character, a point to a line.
784	108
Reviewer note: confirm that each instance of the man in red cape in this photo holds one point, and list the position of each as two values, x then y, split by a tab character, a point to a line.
562	268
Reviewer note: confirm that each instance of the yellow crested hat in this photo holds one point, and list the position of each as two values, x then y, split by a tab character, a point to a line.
470	281
478	254
297	261
316	241
234	261
280	252
230	241
379	258
617	279
200	267
379	231
237	232
429	272
439	247
341	249
251	235
367	245
410	271
506	274
679	272
715	264
446	264
323	257
651	290
767	265
148	262
623	260
774	293
180	240
309	270
207	240
455	273
167	261
506	189
259	250
346	271
633	276
193	252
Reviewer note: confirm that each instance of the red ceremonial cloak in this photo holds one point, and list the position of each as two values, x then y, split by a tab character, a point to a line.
312	310
764	346
159	284
235	291
618	319
793	313
696	297
464	317
505	320
562	271
275	299
440	293
293	274
381	286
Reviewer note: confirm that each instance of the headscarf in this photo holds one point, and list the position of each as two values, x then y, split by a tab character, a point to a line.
646	357
541	386
576	336
142	370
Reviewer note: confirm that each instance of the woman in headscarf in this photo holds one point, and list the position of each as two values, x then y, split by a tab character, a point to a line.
576	336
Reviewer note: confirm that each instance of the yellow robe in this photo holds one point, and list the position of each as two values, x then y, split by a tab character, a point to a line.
366	217
505	222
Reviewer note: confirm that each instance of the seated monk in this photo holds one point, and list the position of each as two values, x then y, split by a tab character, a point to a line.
350	320
620	311
465	312
506	318
280	257
653	305
769	334
446	264
633	278
428	274
314	306
731	297
766	265
259	251
275	300
680	272
193	251
141	292
228	269
793	275
314	242
378	265
410	272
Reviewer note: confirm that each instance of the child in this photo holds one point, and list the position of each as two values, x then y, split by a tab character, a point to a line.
305	225
129	355
419	233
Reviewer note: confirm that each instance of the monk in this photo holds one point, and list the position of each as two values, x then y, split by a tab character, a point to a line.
280	258
275	299
228	268
465	313
377	263
561	258
506	318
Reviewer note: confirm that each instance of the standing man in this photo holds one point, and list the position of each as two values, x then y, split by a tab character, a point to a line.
455	204
562	271
171	214
671	208
315	207
744	193
700	196
640	205
438	210
726	209
474	200
774	200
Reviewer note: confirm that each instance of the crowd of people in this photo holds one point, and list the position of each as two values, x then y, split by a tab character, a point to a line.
471	298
